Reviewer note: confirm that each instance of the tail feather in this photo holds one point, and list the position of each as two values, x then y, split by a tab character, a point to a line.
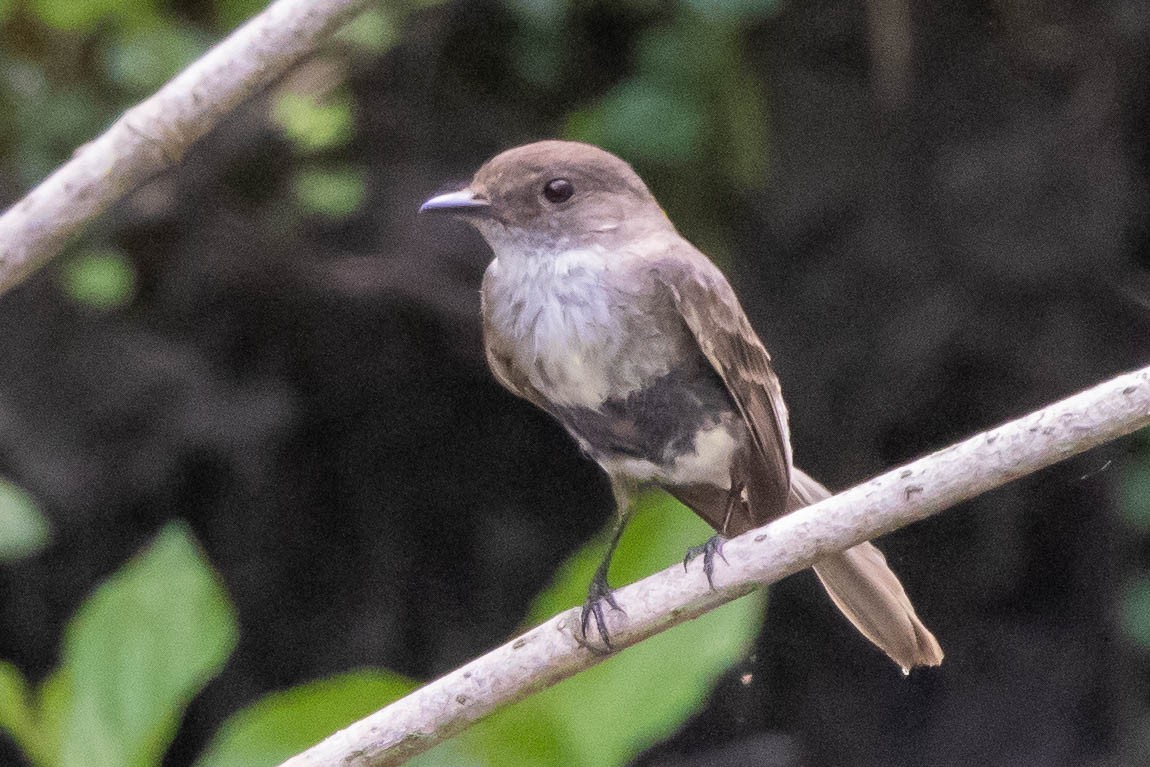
869	594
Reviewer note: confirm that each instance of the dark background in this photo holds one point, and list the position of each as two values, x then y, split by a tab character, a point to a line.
948	227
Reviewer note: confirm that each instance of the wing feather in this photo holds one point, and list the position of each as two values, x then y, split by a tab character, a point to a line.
716	320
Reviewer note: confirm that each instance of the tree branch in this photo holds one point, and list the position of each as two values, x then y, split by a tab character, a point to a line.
153	135
550	652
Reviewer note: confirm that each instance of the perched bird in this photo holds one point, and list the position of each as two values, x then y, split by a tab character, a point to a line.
596	310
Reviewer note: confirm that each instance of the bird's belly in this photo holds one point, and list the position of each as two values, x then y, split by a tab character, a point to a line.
680	428
707	461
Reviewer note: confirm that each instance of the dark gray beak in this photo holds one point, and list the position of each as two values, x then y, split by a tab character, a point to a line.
464	202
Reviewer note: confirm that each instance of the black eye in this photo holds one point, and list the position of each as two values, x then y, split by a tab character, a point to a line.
558	190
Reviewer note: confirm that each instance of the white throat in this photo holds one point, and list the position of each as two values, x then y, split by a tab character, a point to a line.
569	325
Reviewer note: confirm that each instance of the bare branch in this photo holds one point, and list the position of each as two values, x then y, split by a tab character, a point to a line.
550	652
153	135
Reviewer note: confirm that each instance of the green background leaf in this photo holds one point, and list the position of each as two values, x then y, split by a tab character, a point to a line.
312	125
136	653
1136	611
282	724
16	716
332	192
23	529
85	15
101	278
1134	494
140	60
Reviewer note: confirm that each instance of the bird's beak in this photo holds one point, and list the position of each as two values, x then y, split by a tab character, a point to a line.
464	202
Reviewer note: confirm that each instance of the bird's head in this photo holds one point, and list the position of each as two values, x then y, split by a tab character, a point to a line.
553	196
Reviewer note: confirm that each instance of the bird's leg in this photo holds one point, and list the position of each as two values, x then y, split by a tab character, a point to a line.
714	544
709	548
600	591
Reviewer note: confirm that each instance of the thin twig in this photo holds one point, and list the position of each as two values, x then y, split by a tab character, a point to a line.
550	652
153	135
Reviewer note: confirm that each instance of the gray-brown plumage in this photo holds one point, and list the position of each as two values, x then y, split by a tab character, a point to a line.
596	310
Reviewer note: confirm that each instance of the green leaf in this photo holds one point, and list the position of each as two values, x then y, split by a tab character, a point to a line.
282	724
70	14
731	11
103	279
1134	493
1141	437
642	120
23	529
53	704
137	651
1136	611
745	123
85	15
547	15
231	13
140	60
685	56
538	56
335	193
16	716
374	31
46	119
525	735
313	126
610	713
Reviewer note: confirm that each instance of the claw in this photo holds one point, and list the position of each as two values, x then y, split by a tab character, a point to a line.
597	594
709	548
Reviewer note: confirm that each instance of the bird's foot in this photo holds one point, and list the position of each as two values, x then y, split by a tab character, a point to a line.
597	595
708	549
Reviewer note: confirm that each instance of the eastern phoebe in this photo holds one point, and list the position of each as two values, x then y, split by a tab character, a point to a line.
597	311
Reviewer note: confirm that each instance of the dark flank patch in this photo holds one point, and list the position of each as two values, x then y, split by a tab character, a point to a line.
656	423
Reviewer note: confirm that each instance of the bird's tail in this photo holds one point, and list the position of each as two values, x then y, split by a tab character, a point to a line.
868	593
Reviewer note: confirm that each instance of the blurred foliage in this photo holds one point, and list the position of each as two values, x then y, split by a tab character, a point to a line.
375	30
333	192
23	529
122	685
1134	505
103	279
690	107
229	14
68	68
691	98
315	113
134	655
1134	487
283	724
1136	612
140	60
311	125
73	16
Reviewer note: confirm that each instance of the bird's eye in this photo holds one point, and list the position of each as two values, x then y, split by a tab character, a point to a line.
558	190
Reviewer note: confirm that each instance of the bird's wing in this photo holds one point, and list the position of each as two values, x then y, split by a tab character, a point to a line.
715	319
858	580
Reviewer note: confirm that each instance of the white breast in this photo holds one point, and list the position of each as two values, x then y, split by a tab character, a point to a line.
571	330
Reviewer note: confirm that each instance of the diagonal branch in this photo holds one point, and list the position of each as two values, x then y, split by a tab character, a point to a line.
153	135
549	653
